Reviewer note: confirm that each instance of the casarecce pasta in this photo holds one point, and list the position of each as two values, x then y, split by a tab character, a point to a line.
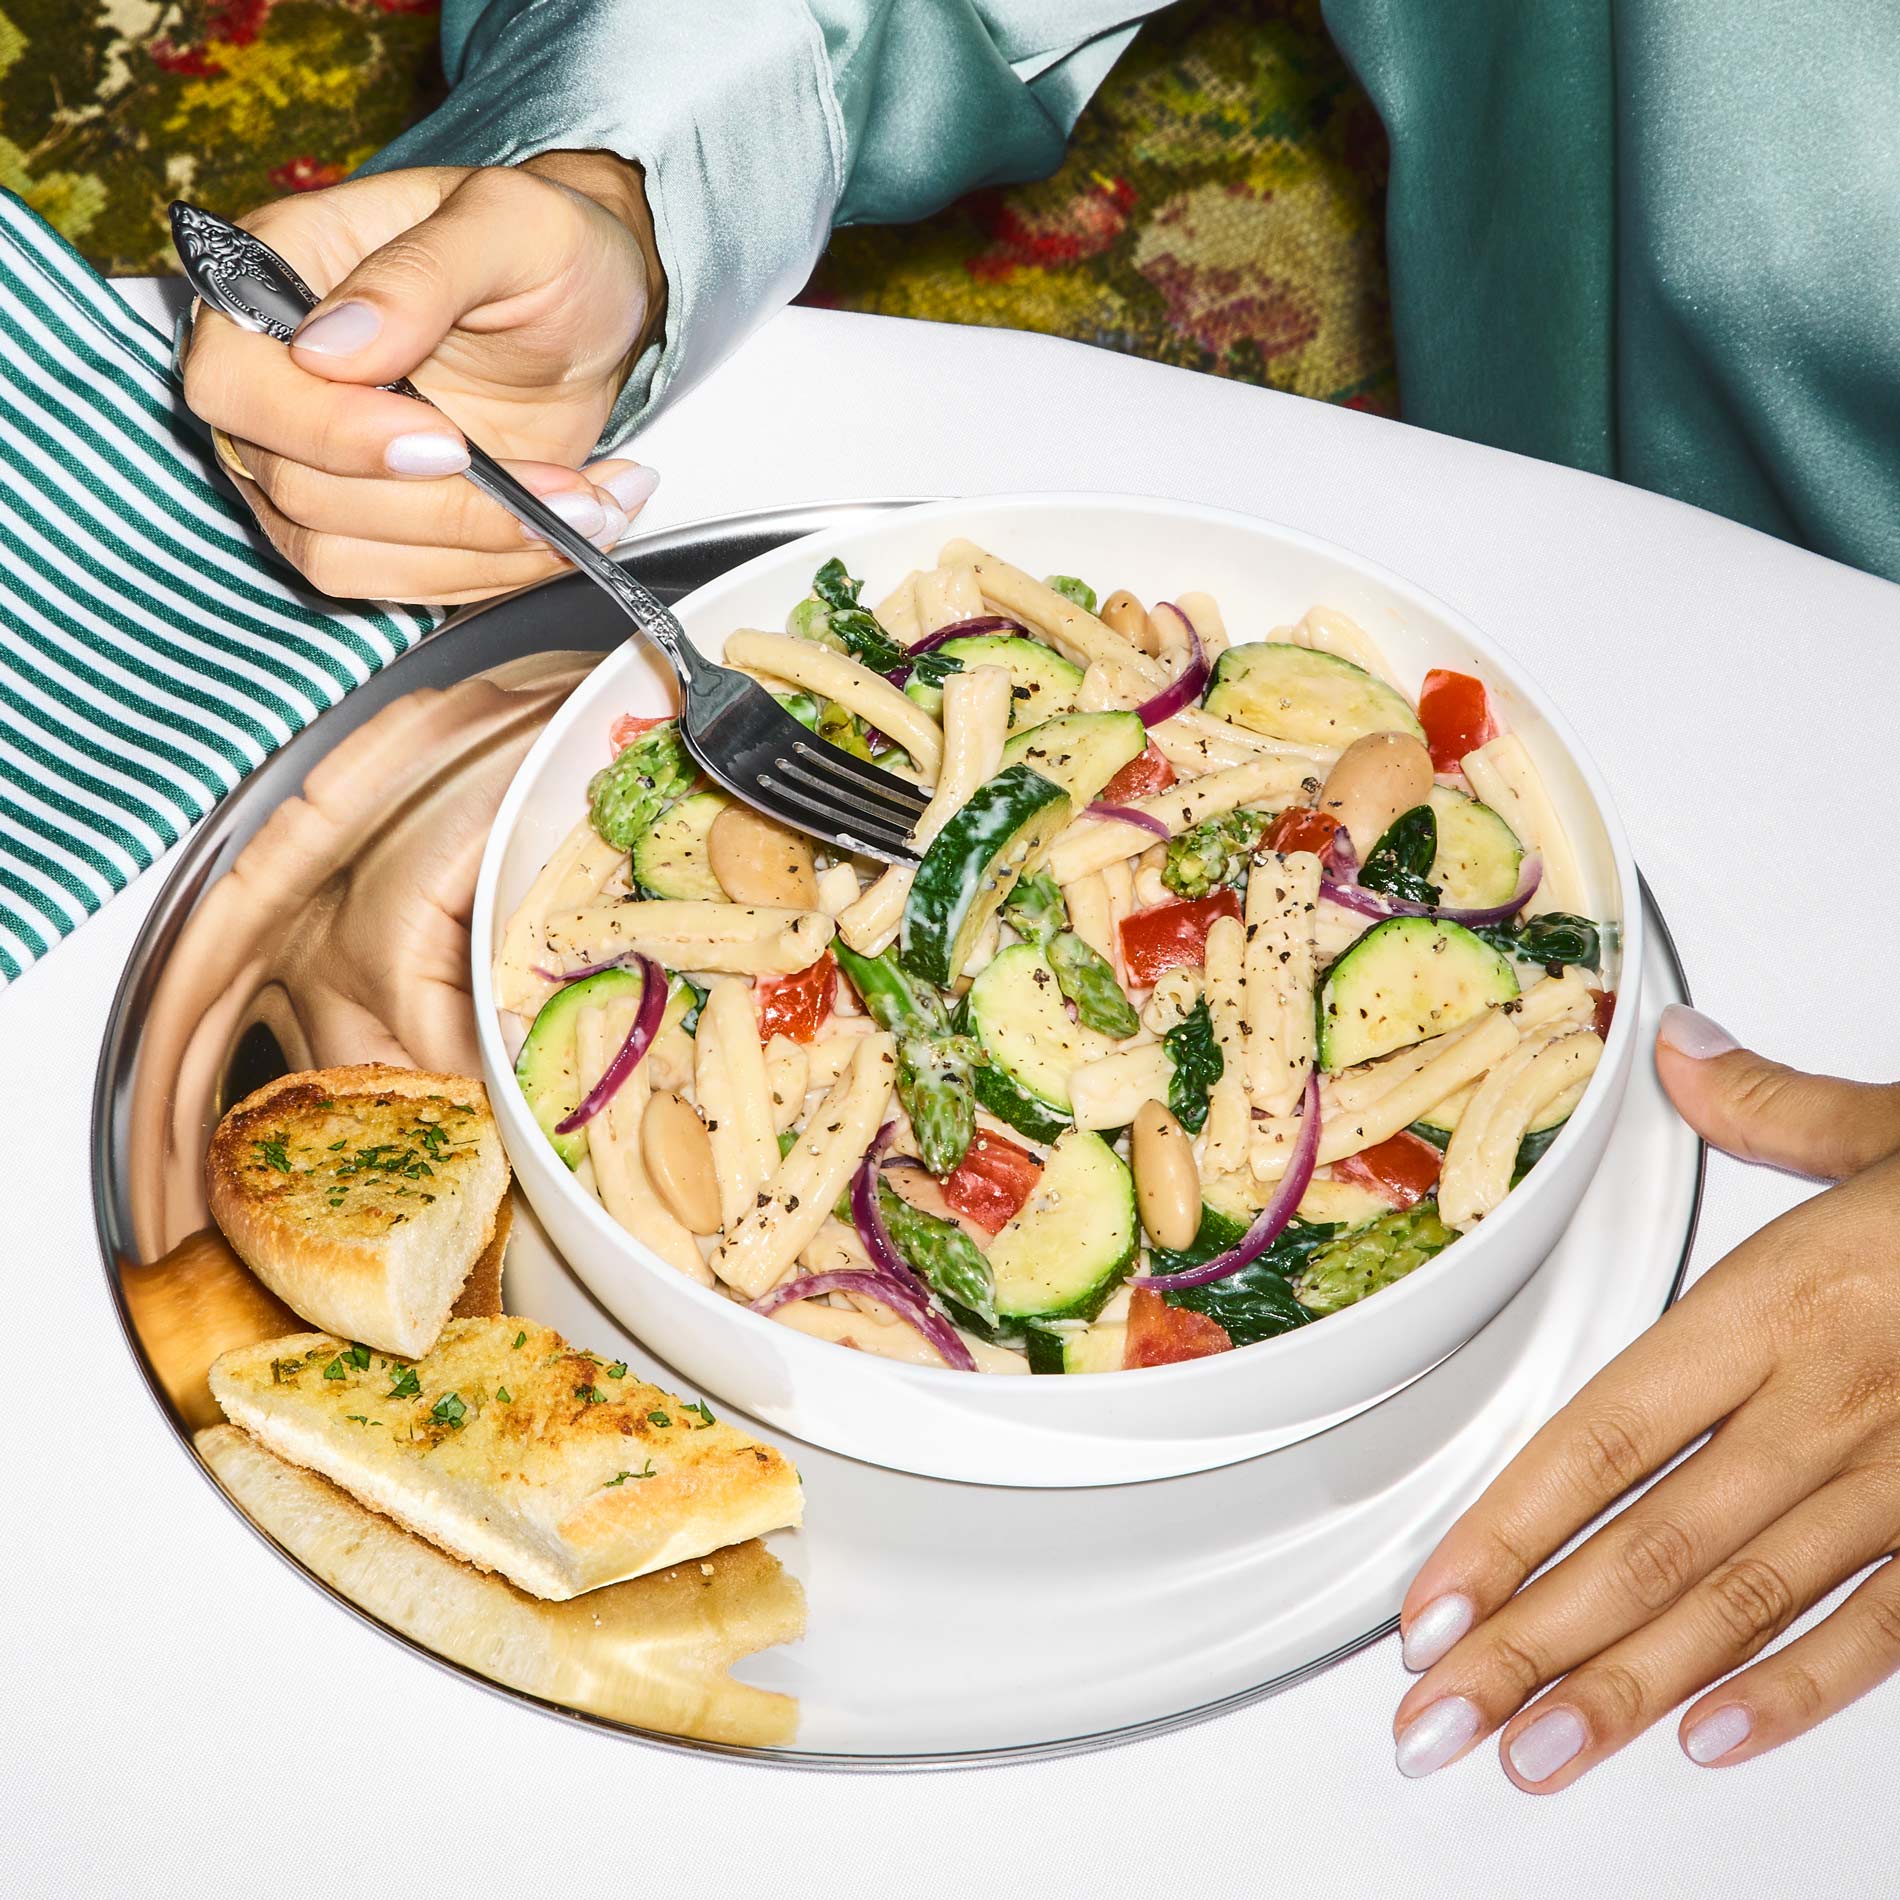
1238	896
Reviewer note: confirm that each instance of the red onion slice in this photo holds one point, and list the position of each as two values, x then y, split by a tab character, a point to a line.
646	1025
868	1218
959	630
1271	1220
1350	894
1128	815
969	629
1185	691
938	1332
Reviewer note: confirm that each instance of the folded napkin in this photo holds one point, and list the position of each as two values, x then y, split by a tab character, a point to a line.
151	652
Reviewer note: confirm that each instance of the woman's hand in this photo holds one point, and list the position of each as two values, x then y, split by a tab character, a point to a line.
1790	1350
518	299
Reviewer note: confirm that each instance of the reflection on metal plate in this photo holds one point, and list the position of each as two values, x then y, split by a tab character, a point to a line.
320	917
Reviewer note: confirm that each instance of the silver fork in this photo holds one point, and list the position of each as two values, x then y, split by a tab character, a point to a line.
736	730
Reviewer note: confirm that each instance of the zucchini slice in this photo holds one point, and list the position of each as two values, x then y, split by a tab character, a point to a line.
1478	853
1075	1240
1042	682
1297	693
1015	1011
1098	1348
1080	751
548	1067
670	858
1404	980
973	863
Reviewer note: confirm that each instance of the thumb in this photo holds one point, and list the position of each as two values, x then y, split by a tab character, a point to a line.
1817	1125
500	236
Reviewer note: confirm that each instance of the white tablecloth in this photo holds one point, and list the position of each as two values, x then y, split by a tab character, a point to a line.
184	1714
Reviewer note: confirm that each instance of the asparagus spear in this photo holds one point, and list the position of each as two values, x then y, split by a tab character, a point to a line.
935	1080
1036	912
1359	1264
942	1254
1087	979
624	798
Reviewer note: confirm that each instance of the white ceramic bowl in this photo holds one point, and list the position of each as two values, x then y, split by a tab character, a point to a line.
1115	1427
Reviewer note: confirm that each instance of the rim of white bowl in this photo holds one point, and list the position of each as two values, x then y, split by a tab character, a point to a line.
1416	1285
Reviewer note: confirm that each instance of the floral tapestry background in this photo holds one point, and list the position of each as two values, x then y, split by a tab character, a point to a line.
1220	206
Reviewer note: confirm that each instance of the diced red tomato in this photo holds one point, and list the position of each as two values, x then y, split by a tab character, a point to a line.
992	1181
1455	711
1299	828
1404	1169
1605	1001
1139	778
1164	1335
1172	936
629	726
797	1005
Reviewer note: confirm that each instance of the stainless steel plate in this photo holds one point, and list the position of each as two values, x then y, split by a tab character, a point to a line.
319	916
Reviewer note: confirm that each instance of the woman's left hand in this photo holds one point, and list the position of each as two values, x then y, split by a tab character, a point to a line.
1790	1350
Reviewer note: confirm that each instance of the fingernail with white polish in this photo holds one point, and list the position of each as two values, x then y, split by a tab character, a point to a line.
615	526
1690	1033
1435	1628
581	512
1716	1734
340	332
1547	1744
425	454
629	486
1430	1740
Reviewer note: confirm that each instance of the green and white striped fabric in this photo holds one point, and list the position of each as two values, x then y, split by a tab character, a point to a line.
150	654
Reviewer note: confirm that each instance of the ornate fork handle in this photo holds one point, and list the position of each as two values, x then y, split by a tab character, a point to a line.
240	276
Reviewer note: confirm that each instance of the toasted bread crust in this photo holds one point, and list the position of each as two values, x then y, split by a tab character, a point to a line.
362	1196
534	1460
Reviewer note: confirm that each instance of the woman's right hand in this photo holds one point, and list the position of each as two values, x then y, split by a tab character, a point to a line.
516	298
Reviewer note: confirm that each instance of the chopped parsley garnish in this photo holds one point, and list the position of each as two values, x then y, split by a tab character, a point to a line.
449	1410
618	1370
358	1356
358	1418
521	1339
335	1369
504	1395
591	1394
407	1385
658	1418
705	1416
273	1152
386	1157
649	1472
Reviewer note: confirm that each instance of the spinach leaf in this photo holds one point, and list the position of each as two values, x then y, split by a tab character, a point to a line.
1397	865
1555	939
864	639
1257	1302
1198	1065
1530	1150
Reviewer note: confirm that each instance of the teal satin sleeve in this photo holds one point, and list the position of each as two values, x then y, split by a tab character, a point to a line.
762	123
1659	239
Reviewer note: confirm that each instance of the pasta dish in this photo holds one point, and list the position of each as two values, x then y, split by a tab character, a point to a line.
1236	980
